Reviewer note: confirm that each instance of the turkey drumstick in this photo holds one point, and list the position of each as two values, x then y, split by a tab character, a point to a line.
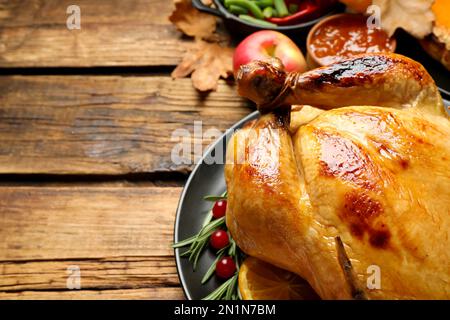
390	80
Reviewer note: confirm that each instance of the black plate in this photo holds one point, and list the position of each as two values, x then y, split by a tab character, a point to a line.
204	180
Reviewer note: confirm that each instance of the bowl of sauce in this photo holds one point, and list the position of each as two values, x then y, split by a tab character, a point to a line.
342	36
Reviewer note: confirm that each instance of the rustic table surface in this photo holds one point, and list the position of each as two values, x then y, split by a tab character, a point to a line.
86	118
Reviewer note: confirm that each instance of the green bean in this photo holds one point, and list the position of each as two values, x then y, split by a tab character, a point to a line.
268	12
280	5
237	10
250	6
275	13
263	3
261	23
293	8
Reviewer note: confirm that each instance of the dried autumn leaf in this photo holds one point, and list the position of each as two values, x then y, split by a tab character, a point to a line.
192	22
415	16
206	63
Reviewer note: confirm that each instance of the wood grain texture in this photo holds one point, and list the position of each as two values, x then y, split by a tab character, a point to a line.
105	124
102	273
33	33
119	237
118	233
166	293
86	222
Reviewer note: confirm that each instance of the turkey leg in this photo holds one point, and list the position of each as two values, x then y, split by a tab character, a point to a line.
388	80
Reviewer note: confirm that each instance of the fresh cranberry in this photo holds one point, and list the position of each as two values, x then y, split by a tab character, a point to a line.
219	239
225	268
219	209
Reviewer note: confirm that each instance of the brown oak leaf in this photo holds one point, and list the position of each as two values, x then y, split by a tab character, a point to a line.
192	22
206	62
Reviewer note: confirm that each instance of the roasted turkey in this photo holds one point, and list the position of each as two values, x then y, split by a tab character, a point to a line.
362	184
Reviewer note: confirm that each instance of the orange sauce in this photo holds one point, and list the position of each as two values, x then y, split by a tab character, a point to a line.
347	36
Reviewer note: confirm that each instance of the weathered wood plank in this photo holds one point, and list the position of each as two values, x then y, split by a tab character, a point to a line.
33	33
128	272
86	222
166	293
105	124
119	237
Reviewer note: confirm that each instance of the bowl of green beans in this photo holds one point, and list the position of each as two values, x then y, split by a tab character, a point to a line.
243	17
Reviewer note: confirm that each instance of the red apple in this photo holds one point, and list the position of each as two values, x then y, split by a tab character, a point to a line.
265	44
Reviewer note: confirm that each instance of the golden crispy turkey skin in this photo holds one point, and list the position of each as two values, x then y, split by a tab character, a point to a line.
370	184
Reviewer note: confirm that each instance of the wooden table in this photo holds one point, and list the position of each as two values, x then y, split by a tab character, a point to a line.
86	118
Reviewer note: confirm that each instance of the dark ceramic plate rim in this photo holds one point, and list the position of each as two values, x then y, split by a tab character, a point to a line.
181	272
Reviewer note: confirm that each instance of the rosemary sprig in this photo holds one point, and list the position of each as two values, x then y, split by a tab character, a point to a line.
212	268
224	290
214	198
197	243
208	218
